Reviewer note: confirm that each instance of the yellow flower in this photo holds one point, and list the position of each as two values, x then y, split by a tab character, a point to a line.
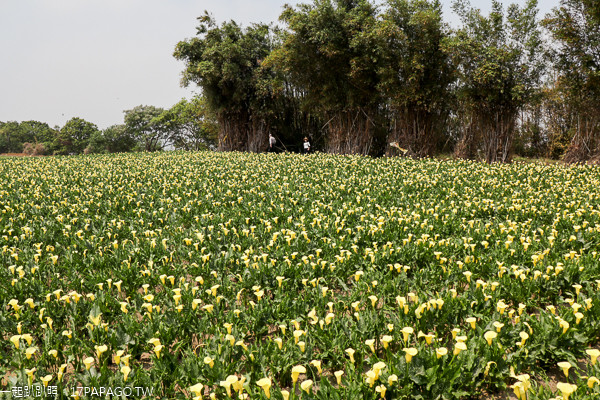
524	336
338	376
30	352
16	340
566	389
381	389
125	359
501	306
46	379
230	339
487	367
157	350
498	326
373	300
96	320
302	345
386	339
471	321
125	370
265	384
392	379
279	280
593	353
441	351
458	347
520	388
100	350
88	362
61	371
410	353
306	385
370	343
564	325
565	365
197	389
591	380
406	331
489	336
317	365
297	334
53	353
468	275
296	371
285	394
329	318
350	353
30	373
371	377
209	361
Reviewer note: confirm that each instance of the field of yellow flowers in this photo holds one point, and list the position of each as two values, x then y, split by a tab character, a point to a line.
245	276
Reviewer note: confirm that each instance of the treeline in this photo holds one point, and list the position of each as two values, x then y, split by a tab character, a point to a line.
188	125
363	79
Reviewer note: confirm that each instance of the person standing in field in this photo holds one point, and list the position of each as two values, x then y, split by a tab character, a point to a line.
306	146
272	142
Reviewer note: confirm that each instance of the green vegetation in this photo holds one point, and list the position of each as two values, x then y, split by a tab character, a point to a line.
188	125
360	77
313	277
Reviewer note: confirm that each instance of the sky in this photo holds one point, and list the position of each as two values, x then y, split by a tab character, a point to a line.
93	59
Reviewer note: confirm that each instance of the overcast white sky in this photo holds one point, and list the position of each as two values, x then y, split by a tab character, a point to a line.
95	58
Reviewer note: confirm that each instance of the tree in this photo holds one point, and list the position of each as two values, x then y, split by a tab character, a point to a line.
575	28
75	135
117	139
330	55
500	66
13	135
225	62
415	73
145	125
192	125
10	137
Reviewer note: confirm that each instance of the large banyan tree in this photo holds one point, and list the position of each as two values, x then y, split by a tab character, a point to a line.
225	61
329	54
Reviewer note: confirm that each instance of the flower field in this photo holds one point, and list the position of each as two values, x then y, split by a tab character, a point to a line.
245	276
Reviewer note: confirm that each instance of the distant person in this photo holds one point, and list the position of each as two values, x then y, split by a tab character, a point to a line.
306	146
272	142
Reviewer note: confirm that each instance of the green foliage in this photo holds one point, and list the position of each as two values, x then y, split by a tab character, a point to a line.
13	135
74	136
574	28
329	53
186	268
501	65
192	125
415	73
225	62
144	123
118	139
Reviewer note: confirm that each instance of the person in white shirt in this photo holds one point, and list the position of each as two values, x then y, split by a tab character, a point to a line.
272	142
306	146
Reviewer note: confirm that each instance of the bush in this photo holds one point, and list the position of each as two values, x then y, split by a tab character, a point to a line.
39	149
28	148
